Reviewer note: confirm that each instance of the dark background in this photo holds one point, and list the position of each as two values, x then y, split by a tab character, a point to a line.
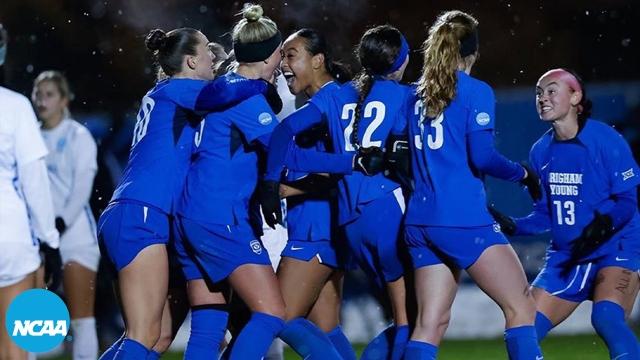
99	43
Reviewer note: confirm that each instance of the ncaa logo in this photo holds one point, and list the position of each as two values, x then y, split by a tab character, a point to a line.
37	320
256	247
265	118
483	118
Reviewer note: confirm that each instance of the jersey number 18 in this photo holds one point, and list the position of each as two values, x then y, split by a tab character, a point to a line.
142	120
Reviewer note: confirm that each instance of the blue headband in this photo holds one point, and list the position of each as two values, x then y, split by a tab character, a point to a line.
402	55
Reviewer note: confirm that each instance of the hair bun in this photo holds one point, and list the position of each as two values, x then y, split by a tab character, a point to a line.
252	12
156	39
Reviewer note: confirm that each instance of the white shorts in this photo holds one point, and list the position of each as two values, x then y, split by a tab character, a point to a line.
17	260
274	241
79	243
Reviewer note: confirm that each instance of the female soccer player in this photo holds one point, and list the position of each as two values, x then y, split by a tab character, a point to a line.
360	116
72	166
26	209
134	229
311	269
448	227
590	182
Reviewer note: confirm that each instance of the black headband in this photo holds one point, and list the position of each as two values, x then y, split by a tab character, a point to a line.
256	51
469	44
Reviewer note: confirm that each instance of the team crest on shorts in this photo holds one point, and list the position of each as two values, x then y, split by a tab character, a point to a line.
256	247
496	227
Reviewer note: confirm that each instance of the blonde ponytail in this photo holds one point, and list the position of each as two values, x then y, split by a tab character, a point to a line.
441	51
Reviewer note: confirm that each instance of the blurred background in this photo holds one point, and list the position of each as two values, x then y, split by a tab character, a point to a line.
99	46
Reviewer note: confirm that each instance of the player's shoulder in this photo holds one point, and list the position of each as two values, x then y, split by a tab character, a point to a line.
540	145
601	135
76	129
173	87
11	98
468	85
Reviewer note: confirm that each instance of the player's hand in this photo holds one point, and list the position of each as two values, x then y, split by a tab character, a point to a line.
398	159
273	98
269	195
369	160
507	225
532	182
61	226
594	235
52	266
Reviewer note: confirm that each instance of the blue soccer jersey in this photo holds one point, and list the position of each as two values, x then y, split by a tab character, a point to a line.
309	217
448	191
382	114
224	171
580	176
163	136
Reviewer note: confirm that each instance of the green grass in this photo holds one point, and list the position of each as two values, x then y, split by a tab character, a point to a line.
580	347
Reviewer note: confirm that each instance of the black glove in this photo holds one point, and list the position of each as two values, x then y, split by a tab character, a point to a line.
273	98
313	183
398	159
269	195
310	138
52	266
594	235
61	226
532	182
369	160
507	225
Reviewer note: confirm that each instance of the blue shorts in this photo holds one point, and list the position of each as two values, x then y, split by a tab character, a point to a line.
181	267
454	246
126	228
375	238
215	251
578	285
326	251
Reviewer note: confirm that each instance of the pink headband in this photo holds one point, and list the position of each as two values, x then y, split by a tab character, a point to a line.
564	76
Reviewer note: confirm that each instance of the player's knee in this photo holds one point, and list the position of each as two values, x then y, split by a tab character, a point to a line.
434	325
521	312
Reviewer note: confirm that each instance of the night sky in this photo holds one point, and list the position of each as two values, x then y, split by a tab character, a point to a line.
100	44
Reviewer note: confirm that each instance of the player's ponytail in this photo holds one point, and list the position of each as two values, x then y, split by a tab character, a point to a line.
381	51
452	38
315	43
169	49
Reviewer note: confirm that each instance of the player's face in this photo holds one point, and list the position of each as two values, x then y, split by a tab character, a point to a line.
48	100
204	65
553	99
297	64
271	67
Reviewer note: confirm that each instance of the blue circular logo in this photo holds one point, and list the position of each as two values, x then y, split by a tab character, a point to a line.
37	320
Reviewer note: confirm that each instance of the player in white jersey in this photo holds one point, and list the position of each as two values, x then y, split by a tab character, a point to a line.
72	166
26	210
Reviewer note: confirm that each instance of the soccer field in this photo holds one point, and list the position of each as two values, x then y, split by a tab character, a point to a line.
580	347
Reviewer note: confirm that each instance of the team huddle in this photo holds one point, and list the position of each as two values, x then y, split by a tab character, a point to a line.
374	173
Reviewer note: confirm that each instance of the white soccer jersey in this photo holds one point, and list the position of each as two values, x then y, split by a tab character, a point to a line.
72	166
25	203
